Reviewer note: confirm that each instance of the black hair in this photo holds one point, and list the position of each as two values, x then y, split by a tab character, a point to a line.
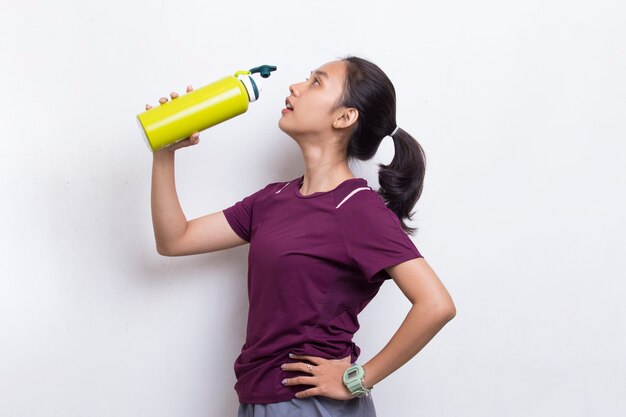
368	89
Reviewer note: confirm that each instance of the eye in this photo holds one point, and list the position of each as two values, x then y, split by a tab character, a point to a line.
315	79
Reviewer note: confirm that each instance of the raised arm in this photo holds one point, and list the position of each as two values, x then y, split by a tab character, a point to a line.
174	235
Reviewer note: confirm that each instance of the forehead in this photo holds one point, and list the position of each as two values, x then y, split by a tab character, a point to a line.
335	71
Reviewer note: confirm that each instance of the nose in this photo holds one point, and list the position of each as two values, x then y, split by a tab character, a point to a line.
294	90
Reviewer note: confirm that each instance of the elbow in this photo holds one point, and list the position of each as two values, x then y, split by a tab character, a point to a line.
447	309
161	250
437	312
164	250
450	312
443	311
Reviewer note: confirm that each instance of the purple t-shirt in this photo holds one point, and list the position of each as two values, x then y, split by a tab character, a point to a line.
314	263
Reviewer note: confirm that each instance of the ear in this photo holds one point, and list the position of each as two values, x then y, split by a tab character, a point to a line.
345	117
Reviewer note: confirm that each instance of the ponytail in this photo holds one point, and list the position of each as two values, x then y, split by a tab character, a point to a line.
368	89
401	181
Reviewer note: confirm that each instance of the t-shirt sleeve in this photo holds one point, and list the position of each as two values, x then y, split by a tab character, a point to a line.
375	238
240	216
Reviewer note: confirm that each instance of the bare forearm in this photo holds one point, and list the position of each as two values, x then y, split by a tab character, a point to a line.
421	324
168	220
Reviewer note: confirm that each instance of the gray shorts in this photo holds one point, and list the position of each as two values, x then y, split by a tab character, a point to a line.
317	406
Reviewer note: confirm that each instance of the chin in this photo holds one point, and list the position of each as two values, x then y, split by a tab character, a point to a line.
281	126
287	131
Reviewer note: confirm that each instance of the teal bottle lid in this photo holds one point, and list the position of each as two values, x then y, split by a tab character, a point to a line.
264	70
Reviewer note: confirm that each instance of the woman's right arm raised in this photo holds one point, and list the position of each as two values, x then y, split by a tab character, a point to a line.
174	235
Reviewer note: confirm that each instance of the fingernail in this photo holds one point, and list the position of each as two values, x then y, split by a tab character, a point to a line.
291	355
284	382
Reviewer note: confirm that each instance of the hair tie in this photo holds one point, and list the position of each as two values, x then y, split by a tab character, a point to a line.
394	131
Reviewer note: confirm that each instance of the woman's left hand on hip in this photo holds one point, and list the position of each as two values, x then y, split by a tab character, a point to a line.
326	376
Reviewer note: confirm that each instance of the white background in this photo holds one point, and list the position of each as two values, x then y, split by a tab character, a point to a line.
519	105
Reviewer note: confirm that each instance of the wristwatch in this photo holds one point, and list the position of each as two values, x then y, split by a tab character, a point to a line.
353	380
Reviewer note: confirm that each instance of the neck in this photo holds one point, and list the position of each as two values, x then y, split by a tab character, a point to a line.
325	169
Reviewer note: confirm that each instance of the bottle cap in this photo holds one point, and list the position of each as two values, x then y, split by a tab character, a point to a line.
251	86
264	70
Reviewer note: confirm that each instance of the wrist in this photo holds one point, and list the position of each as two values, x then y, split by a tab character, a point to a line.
163	155
367	381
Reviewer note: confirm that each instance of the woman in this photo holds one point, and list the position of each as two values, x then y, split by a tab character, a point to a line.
320	247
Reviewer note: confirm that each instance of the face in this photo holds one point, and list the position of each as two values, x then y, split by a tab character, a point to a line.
310	108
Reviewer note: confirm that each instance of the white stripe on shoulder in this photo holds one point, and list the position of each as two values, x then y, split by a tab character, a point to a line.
351	194
282	188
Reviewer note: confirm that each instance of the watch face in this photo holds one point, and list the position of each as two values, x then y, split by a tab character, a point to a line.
352	373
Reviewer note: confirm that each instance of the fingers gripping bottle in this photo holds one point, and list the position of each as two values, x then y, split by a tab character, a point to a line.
200	109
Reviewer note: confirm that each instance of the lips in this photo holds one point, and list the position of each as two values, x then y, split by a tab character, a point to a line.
288	104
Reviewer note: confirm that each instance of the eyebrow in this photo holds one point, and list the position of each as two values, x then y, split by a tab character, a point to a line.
322	73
